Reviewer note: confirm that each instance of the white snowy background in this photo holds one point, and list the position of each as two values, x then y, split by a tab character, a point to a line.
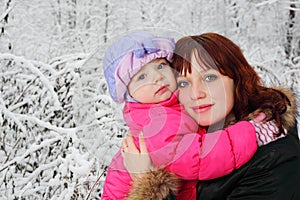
58	127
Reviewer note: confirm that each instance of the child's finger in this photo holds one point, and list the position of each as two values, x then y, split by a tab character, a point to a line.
260	117
131	145
124	143
128	133
143	147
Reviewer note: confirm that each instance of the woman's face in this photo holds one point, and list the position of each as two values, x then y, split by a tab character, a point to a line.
206	94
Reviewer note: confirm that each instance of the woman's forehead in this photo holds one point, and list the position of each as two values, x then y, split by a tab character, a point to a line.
198	68
202	61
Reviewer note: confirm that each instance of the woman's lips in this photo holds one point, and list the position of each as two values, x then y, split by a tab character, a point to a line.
202	108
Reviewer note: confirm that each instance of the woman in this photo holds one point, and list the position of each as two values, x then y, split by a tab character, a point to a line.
217	88
145	78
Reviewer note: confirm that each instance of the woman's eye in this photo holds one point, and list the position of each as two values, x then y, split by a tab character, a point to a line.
182	84
210	77
142	77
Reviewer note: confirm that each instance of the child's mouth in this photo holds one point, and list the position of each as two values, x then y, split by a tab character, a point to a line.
162	89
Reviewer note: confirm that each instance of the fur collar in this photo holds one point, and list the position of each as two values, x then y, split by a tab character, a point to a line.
156	184
289	117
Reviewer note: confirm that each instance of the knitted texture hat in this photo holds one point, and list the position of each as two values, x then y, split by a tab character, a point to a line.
126	56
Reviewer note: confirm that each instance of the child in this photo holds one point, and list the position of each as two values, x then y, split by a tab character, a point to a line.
137	70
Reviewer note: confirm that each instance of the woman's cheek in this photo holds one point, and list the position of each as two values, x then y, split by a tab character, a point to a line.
183	96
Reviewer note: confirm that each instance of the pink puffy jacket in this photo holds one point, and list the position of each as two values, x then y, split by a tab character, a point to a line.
175	144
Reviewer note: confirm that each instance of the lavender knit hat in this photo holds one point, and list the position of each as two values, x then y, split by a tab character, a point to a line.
125	57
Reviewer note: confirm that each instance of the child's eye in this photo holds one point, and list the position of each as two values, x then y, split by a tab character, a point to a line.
182	84
142	77
160	66
210	77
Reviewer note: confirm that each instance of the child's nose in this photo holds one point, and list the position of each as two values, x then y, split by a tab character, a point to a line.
158	76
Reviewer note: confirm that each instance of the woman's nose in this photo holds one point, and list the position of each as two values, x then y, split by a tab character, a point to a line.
199	92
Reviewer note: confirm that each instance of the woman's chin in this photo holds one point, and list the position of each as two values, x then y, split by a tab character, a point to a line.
214	124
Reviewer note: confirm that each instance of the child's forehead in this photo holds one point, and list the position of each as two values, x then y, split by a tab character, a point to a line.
158	60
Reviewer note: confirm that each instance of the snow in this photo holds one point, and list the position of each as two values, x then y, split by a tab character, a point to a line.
59	127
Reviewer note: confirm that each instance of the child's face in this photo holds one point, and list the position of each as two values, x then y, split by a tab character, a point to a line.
154	83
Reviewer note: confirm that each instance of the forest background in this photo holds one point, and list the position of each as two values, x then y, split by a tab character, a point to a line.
58	127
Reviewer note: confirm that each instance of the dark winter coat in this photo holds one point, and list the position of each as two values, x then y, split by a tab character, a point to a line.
272	174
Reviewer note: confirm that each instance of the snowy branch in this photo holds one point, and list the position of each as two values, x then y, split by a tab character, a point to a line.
33	148
7	11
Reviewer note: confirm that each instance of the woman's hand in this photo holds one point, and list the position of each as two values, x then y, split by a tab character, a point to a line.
137	162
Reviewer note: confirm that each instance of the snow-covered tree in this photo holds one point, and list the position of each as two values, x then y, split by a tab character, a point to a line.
58	126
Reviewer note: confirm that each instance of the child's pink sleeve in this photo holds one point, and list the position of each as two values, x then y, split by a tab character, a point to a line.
118	181
214	154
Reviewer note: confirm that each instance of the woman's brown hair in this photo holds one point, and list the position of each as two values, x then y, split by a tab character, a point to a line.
218	52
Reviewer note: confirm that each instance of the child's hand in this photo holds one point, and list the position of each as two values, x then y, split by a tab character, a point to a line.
261	115
136	162
265	130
